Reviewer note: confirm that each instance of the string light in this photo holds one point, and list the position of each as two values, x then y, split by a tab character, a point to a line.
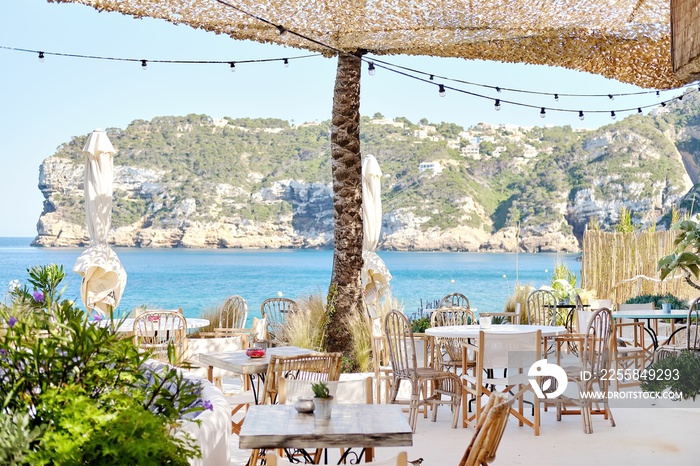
286	63
232	65
580	115
611	97
370	69
556	97
378	63
658	94
282	30
612	115
41	57
524	91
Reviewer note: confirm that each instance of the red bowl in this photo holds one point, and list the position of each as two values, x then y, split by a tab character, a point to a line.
255	352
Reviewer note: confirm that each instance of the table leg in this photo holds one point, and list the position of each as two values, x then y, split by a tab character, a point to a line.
210	373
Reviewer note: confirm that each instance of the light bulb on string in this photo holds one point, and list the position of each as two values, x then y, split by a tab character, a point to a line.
663	104
498	89
441	90
543	113
497	105
556	97
639	110
144	65
370	68
41	57
612	114
611	97
282	30
658	94
232	66
286	62
680	97
580	115
432	77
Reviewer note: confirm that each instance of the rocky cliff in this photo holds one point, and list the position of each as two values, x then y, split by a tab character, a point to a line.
201	183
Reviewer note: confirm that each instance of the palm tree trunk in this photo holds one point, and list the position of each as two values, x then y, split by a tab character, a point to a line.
345	292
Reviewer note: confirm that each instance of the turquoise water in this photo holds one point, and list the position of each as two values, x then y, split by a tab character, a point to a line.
196	279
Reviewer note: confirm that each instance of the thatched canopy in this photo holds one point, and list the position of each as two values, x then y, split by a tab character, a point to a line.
628	40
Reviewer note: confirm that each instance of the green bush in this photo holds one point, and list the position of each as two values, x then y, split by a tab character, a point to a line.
658	299
78	393
680	374
420	324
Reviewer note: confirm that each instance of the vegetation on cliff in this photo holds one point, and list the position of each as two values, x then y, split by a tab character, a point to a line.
558	178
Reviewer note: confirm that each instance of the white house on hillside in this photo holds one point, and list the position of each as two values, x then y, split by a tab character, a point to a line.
434	166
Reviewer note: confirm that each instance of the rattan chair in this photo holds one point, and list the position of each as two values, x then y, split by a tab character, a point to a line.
160	333
274	310
402	353
489	431
542	310
591	376
454	300
449	350
314	367
541	307
691	333
232	318
502	365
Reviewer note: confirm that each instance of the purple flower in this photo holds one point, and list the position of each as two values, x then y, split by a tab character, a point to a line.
97	317
12	321
208	405
38	296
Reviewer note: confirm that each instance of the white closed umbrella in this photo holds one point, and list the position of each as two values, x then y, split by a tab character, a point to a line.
375	275
103	276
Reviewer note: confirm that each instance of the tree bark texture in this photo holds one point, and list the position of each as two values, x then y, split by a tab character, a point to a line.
345	293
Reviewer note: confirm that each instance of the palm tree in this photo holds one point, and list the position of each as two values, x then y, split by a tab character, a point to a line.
345	292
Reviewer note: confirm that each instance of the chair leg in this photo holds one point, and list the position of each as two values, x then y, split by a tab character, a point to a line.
413	410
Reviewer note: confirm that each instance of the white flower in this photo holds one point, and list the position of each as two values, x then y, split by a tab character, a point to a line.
14	284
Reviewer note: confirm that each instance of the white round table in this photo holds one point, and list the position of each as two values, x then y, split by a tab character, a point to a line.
128	324
472	331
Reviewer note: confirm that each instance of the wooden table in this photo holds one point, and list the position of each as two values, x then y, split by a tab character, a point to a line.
240	363
351	425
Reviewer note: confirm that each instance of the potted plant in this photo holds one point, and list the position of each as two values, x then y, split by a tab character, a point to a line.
322	400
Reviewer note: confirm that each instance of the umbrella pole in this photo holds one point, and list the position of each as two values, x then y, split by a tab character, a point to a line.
345	291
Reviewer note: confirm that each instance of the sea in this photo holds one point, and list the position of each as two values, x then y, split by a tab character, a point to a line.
199	279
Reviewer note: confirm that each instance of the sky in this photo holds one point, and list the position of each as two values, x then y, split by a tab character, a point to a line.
43	105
